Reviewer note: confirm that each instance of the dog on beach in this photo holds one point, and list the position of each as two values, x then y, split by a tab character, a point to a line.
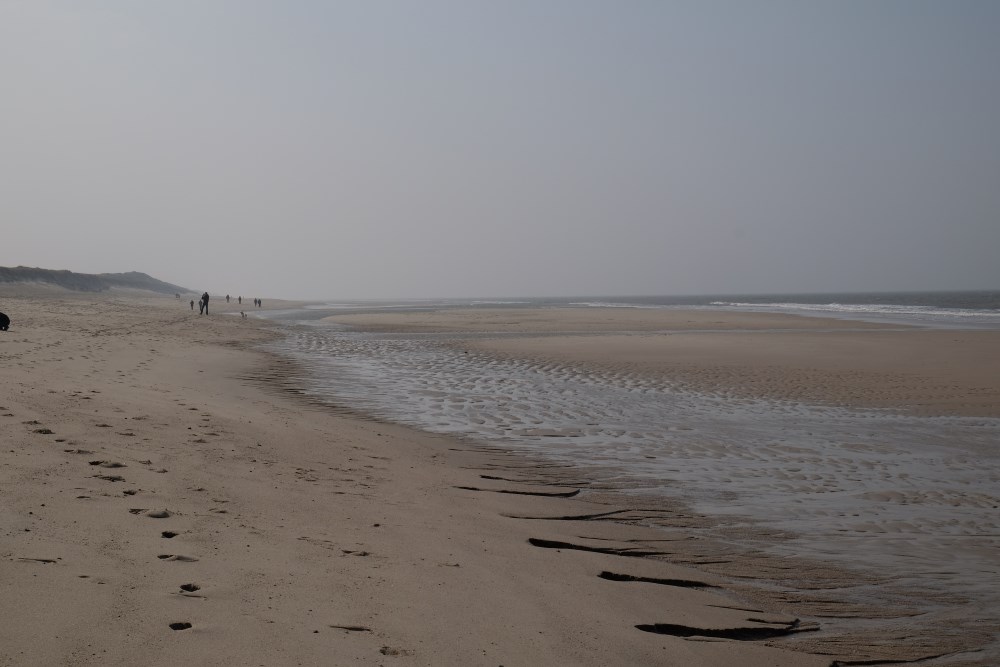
4	322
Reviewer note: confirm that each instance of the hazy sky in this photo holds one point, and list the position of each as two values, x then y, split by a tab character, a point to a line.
514	147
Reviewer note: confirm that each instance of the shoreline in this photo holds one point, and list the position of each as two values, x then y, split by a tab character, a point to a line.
849	363
317	536
945	377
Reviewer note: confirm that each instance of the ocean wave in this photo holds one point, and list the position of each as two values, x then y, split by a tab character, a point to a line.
613	304
869	308
498	303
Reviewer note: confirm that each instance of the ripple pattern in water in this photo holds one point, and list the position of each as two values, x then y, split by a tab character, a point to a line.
870	487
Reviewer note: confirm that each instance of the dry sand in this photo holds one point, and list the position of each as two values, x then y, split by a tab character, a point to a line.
165	500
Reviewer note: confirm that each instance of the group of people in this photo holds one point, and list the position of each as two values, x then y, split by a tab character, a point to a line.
203	303
239	300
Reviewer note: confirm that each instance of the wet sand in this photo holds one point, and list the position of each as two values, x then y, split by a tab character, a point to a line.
821	360
583	320
169	495
895	479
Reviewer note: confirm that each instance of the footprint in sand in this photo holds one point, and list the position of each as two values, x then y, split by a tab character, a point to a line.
180	626
190	591
352	628
107	464
178	558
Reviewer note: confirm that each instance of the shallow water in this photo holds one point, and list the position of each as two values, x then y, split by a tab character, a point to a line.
915	498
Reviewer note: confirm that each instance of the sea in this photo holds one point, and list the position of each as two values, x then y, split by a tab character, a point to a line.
914	499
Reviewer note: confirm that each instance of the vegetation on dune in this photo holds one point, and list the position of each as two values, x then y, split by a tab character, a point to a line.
87	282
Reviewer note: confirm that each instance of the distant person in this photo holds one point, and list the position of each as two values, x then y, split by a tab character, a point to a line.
227	298
192	304
204	300
240	300
4	322
201	305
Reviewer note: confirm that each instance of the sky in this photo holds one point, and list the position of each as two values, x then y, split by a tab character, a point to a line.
470	148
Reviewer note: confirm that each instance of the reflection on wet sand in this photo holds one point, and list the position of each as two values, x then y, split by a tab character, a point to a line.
912	499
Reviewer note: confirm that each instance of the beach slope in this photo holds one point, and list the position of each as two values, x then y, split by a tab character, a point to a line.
166	497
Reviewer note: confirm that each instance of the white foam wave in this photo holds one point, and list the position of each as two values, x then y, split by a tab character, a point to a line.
612	304
869	308
498	303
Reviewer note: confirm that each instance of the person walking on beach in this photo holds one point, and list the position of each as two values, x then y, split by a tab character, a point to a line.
204	300
239	300
227	298
192	304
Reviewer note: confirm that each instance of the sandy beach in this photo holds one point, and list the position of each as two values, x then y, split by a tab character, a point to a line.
170	497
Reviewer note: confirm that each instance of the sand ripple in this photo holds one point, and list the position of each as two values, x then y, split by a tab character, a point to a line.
913	496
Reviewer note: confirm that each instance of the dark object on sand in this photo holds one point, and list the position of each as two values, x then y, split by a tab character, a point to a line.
4	322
